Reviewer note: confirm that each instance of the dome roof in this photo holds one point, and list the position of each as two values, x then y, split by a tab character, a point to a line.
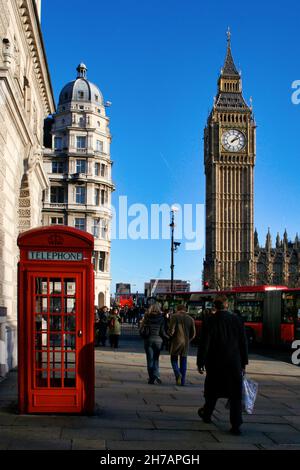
81	89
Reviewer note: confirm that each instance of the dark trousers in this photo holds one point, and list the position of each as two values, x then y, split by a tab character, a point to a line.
181	369
235	410
114	341
102	336
152	349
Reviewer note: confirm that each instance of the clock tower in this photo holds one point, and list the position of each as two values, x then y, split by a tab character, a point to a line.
229	158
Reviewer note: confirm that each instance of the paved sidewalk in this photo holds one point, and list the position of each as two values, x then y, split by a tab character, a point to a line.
130	414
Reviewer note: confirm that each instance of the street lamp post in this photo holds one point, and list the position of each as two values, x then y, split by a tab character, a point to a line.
174	245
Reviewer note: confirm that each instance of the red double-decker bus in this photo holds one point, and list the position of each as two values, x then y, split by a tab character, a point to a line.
271	314
124	300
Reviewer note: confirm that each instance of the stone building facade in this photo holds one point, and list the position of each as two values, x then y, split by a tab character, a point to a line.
26	98
78	166
279	264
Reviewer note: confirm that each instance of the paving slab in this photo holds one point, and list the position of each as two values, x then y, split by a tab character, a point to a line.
154	445
280	437
88	444
39	444
92	433
163	435
249	437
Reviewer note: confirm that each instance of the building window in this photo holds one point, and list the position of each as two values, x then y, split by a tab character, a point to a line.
102	256
57	220
99	146
80	95
97	169
80	195
97	196
98	123
80	142
103	196
99	228
94	260
80	166
57	194
57	167
96	227
103	169
79	223
96	97
57	143
103	229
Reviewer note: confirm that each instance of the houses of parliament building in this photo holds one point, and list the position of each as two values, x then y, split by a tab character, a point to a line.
233	256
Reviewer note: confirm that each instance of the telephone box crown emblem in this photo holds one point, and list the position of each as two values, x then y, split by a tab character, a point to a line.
55	240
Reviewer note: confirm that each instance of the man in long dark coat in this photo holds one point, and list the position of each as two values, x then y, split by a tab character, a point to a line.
223	353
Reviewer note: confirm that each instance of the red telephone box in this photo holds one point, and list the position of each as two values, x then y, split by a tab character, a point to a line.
56	321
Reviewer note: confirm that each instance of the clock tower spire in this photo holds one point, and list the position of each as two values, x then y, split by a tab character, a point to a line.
229	158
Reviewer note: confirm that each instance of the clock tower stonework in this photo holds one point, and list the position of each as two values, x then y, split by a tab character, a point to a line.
229	159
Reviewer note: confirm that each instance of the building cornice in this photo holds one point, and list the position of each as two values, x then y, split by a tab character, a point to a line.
32	29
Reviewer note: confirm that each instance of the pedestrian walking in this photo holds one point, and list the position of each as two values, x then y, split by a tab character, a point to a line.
181	331
96	324
153	331
103	325
222	351
114	328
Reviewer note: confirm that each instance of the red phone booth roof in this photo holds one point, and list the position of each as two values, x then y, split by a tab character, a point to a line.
56	236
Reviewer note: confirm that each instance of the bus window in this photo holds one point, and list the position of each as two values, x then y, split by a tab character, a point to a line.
250	310
195	311
290	307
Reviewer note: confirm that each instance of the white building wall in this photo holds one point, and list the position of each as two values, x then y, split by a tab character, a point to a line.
21	177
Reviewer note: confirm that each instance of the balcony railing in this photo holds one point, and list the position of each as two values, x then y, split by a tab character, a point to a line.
55	205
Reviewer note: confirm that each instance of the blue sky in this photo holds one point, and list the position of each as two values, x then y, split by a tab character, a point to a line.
158	62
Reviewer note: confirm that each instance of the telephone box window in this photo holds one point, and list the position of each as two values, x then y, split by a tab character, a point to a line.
55	332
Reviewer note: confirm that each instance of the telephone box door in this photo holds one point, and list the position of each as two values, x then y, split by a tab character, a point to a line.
55	342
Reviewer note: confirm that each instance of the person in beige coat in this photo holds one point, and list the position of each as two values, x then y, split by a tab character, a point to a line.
181	331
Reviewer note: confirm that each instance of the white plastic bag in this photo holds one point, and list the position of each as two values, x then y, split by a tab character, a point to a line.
249	394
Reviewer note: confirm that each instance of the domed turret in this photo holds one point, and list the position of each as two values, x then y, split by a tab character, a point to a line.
80	90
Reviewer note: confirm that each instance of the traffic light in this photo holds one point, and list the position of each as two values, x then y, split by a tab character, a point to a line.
205	285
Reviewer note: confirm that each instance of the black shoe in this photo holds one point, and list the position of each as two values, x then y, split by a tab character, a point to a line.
157	380
235	431
151	381
204	418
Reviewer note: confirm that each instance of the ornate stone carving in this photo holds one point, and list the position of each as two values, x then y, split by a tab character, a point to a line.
7	52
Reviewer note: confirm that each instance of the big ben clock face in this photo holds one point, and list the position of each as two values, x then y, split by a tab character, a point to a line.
233	140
